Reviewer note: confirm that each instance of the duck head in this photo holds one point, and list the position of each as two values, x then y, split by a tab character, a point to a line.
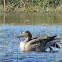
25	34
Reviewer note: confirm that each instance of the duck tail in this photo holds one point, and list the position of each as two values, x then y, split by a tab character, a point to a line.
55	45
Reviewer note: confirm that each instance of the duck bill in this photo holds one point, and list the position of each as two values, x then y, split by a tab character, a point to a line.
20	36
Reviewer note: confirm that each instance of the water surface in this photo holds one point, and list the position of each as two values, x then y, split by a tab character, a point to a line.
12	24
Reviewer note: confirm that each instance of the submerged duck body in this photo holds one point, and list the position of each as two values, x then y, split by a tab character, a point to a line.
39	44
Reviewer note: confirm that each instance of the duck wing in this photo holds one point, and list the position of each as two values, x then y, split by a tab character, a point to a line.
43	42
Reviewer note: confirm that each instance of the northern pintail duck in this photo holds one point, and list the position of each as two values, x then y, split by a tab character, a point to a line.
39	44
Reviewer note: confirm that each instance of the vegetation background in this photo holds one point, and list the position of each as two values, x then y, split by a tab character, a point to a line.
31	5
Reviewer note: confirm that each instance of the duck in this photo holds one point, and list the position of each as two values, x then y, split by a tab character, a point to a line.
38	44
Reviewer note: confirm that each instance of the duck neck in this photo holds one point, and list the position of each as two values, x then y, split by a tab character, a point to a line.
28	39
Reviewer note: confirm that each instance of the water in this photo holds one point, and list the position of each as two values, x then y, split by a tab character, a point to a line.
11	25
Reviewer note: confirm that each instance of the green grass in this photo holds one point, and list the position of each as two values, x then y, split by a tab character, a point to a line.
32	8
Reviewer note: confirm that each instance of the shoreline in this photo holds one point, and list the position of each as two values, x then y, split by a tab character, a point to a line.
32	9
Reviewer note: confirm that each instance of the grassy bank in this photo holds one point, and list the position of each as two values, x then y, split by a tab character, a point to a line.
31	6
58	9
